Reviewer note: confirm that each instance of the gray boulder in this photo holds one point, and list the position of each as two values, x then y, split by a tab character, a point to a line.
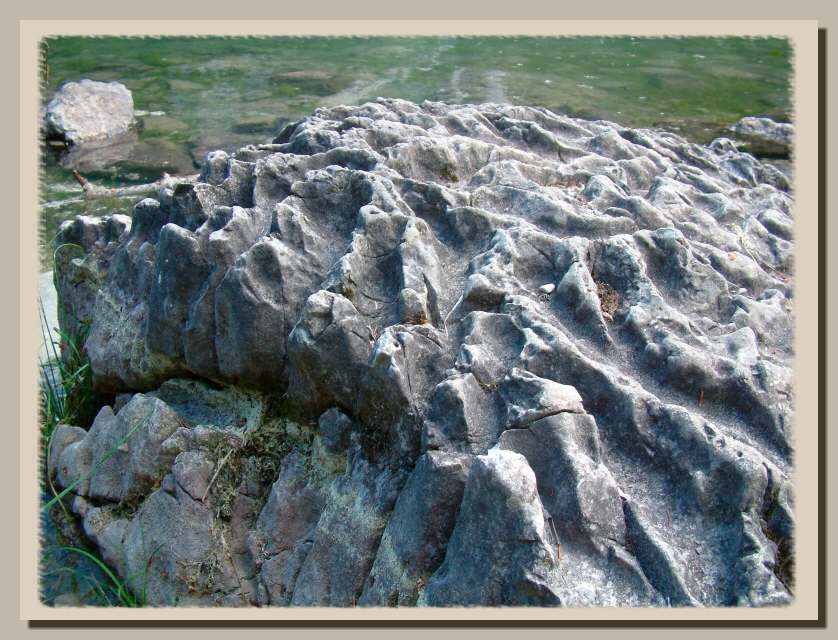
530	360
765	129
87	111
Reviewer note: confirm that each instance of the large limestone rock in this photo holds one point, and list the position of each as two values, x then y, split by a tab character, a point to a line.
531	360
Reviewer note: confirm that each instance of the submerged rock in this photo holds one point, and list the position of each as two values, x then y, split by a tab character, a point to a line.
531	360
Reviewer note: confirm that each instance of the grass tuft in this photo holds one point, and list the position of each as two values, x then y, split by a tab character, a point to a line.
111	591
67	394
68	397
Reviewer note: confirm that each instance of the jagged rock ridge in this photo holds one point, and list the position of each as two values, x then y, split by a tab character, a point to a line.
443	355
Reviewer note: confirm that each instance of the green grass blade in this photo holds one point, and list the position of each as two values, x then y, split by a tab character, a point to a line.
117	586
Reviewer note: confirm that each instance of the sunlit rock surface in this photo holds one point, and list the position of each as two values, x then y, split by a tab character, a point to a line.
88	112
443	355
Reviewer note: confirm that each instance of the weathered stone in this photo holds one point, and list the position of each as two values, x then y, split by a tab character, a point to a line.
600	315
347	535
530	398
575	487
89	111
121	456
328	352
414	542
193	472
765	129
500	552
462	417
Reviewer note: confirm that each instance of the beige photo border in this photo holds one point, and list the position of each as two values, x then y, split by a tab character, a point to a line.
803	37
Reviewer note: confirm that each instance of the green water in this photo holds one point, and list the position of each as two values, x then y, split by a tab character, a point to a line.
226	92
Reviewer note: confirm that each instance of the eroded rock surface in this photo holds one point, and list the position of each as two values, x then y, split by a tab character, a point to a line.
531	360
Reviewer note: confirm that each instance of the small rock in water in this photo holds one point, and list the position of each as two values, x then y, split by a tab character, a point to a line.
766	138
547	288
765	129
89	111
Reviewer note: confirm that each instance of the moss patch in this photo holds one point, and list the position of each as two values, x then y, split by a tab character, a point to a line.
609	299
256	456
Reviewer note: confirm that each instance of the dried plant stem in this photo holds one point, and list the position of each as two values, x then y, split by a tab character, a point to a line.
215	475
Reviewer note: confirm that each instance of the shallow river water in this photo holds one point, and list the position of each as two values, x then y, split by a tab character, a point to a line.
200	94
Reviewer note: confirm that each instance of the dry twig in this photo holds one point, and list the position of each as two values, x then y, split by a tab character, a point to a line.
166	182
215	475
